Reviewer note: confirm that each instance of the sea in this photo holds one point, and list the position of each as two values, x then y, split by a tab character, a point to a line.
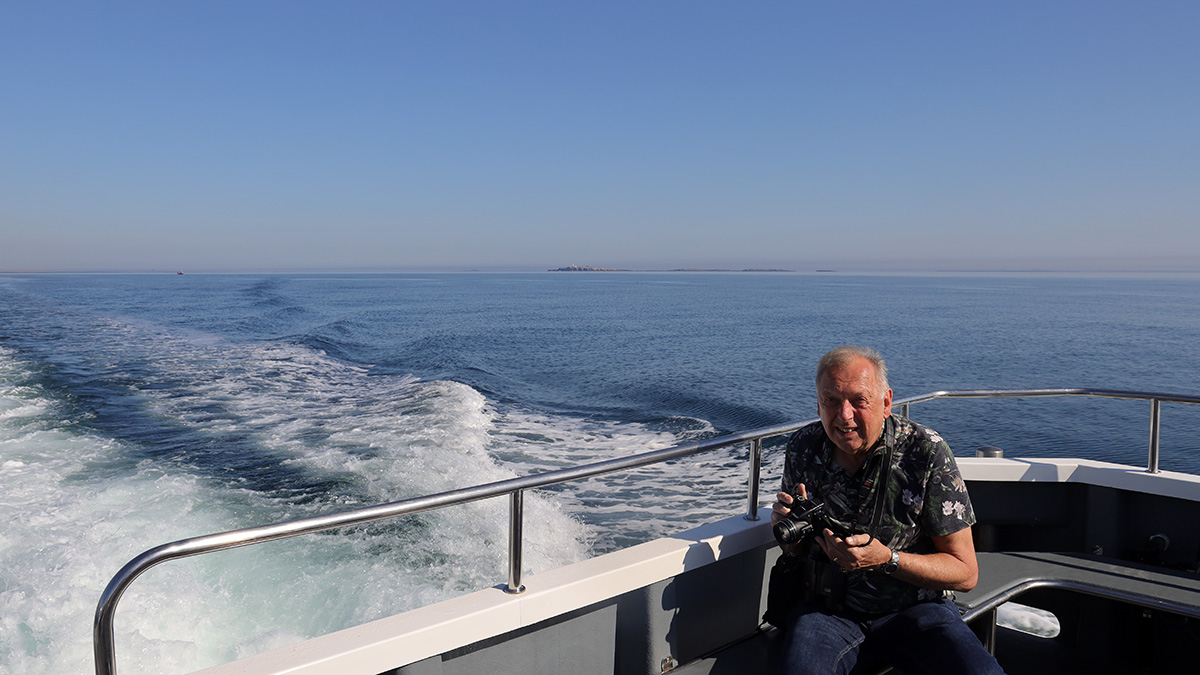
138	409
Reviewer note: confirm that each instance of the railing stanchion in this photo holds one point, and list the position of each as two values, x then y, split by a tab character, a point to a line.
516	519
755	471
904	410
1155	416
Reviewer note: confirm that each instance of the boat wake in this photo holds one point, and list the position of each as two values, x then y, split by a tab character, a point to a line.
151	435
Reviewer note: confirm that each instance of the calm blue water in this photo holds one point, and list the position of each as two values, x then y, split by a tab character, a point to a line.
138	409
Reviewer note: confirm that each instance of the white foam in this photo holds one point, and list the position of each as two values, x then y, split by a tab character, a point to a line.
83	508
631	506
393	437
64	533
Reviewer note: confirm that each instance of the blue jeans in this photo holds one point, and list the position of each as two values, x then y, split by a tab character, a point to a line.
929	637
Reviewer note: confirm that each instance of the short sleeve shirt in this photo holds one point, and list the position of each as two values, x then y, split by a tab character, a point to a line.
922	491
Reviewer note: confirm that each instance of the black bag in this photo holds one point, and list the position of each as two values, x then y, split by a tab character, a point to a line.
803	577
784	589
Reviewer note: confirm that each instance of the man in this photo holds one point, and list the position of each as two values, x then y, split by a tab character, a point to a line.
895	487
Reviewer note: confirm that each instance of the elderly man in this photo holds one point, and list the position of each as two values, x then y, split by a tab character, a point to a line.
905	522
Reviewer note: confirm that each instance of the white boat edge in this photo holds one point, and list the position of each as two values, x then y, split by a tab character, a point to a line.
407	638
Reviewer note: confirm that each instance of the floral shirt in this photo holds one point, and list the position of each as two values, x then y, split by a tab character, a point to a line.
923	496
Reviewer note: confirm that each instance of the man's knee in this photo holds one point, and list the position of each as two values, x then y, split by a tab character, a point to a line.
818	642
936	616
932	637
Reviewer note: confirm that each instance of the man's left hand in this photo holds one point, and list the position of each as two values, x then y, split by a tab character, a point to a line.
856	552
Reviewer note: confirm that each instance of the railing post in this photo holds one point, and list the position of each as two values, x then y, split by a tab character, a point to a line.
904	410
516	519
103	641
1155	415
755	471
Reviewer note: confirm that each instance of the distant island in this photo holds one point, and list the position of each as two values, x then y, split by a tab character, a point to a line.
749	269
589	268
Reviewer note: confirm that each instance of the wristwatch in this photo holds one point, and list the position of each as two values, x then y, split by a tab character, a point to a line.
892	565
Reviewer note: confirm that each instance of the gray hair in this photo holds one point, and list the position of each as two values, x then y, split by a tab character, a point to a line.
840	356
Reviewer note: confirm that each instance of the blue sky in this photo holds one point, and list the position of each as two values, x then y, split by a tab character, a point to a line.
270	136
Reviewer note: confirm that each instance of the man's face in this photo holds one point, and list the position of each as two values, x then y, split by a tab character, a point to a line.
851	405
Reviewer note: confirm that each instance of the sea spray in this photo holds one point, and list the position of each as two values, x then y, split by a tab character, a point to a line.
81	504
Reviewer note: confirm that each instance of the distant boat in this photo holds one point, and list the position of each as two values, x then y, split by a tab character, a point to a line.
180	272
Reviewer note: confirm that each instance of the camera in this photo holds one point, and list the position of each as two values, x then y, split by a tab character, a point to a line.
806	516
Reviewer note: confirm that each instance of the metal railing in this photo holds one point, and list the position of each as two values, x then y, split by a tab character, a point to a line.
103	630
1156	400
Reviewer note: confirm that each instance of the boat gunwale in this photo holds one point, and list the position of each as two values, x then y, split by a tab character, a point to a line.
412	636
103	626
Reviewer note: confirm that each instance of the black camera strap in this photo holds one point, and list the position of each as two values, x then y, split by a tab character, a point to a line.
876	486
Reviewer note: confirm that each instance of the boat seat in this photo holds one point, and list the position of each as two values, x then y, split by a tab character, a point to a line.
1005	576
756	654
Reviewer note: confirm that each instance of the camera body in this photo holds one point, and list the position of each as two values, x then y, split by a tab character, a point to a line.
807	516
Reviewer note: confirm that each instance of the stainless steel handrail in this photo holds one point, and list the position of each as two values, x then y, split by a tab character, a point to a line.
1156	400
103	629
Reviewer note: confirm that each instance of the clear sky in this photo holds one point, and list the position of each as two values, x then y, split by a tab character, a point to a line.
400	135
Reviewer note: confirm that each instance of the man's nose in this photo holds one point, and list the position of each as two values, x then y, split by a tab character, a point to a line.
847	411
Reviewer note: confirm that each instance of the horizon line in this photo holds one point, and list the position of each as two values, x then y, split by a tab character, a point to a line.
605	270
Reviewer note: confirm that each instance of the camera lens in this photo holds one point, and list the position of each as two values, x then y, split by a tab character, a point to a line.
790	530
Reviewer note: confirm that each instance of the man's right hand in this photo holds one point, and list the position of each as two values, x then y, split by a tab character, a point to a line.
783	502
782	508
